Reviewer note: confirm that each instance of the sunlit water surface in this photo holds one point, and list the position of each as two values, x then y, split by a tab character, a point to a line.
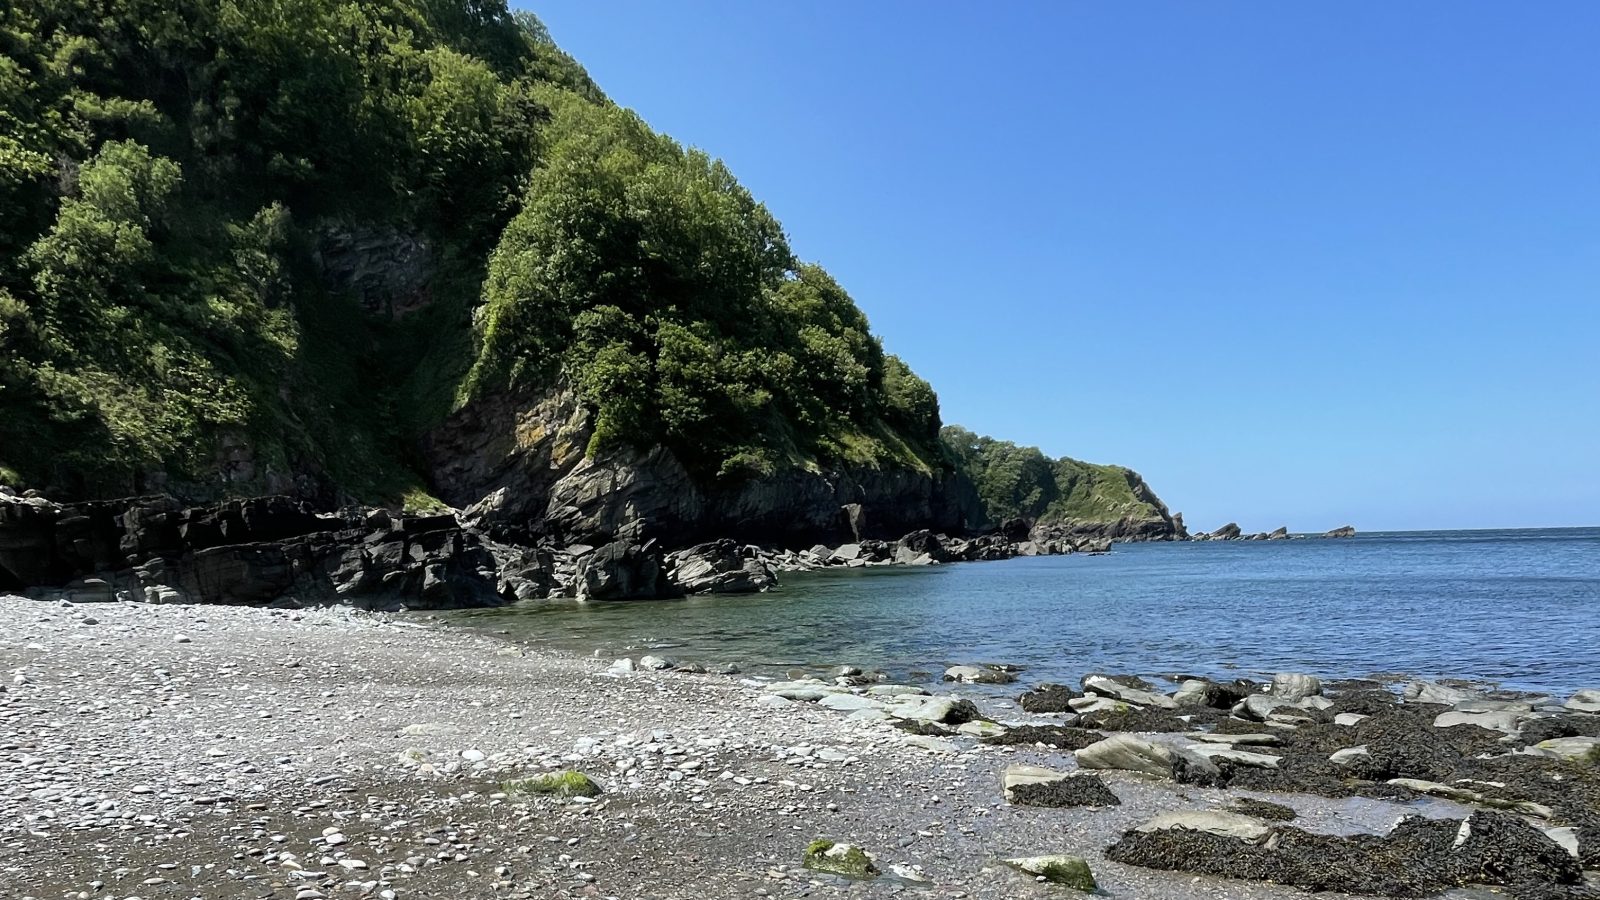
1521	608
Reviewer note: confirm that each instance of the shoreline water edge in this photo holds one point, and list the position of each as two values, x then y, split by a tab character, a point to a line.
268	550
181	750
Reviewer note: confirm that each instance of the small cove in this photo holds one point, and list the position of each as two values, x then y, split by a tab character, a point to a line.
1519	608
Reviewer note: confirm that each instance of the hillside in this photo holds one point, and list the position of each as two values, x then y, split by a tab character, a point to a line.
405	252
1022	483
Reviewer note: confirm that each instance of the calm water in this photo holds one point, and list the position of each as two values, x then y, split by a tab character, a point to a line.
1518	607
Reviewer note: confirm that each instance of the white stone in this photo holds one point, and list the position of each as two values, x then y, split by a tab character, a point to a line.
1348	755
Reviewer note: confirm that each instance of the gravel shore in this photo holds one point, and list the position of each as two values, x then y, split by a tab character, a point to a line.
202	751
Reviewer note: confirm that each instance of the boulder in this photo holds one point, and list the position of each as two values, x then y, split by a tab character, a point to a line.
1281	534
621	571
1059	868
1343	531
1296	687
1578	748
1107	687
1123	751
839	859
1228	532
846	553
918	544
979	675
1430	692
1260	707
1585	701
718	567
1505	722
935	710
1214	822
1195	692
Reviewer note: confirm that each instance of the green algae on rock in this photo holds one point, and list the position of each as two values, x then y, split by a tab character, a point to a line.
824	855
556	784
1059	868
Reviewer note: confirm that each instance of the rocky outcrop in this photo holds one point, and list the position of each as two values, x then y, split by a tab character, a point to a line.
517	466
622	571
258	551
719	567
387	271
1343	531
1232	532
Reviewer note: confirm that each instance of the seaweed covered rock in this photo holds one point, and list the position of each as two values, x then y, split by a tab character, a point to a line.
1057	736
1048	698
1034	786
1418	858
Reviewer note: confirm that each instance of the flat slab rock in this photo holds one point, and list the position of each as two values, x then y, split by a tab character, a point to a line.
1217	822
1122	751
1215	752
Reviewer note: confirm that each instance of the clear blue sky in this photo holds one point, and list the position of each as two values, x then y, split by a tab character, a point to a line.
1301	264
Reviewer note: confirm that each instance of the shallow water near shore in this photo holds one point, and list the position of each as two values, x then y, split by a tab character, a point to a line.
1520	608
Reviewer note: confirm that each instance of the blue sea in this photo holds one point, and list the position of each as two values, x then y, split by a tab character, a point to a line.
1518	608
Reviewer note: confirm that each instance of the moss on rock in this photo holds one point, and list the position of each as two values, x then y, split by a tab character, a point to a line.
824	855
1070	871
557	784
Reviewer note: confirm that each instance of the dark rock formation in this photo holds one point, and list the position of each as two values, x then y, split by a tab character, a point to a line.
1343	531
517	466
262	550
1228	532
622	570
718	567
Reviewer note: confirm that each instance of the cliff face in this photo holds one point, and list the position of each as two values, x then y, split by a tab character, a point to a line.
516	465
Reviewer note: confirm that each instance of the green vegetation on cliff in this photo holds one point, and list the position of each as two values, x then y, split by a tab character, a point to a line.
177	180
1021	482
269	246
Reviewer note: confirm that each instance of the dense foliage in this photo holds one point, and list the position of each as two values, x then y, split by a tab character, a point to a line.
1021	482
170	174
644	274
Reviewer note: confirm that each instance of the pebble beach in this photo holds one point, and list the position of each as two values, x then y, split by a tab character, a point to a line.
155	751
